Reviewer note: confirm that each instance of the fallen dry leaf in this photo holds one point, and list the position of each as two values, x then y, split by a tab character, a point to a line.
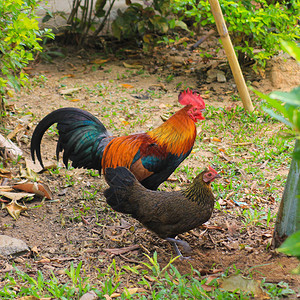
33	166
124	224
132	291
68	76
33	298
39	189
29	174
69	91
11	150
99	61
10	93
204	272
215	139
37	168
15	209
44	261
238	282
127	86
134	66
123	250
5	173
35	250
15	196
15	131
29	298
181	40
7	268
212	227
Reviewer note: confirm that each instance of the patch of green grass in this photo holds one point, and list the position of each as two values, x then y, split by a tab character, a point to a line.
20	284
151	280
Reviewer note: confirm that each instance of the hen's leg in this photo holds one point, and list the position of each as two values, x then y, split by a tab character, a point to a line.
184	244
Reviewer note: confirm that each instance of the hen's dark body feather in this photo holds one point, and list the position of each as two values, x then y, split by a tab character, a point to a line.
165	213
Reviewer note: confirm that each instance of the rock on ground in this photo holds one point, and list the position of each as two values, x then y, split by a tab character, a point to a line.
12	246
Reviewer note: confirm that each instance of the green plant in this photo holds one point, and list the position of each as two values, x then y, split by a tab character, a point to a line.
21	284
19	40
258	24
145	23
286	108
291	246
156	282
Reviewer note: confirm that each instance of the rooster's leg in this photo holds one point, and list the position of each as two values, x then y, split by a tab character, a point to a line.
184	244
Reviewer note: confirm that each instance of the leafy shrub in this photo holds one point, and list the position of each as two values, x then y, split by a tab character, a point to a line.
286	105
286	108
19	39
251	24
145	23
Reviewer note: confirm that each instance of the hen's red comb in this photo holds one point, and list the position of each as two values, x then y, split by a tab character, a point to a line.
189	97
212	169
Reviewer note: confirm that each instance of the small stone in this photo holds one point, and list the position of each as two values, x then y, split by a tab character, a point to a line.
60	272
211	75
19	260
12	246
221	76
249	249
89	296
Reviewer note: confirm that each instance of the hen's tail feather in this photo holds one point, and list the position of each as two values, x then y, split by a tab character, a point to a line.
117	196
119	177
82	137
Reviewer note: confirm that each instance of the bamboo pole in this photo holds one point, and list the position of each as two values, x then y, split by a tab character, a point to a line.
231	56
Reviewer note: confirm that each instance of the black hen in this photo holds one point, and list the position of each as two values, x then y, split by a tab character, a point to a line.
165	213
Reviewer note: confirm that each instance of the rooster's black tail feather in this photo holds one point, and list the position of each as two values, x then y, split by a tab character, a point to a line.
82	137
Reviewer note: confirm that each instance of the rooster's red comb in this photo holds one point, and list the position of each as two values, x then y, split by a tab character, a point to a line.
190	97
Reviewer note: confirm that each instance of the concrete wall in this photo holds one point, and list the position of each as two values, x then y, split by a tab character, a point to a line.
62	9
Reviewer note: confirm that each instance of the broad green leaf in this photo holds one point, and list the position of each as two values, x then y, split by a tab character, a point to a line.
181	24
292	97
116	30
273	102
291	245
278	117
291	48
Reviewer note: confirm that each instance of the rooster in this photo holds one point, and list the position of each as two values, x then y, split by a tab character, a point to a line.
152	156
165	213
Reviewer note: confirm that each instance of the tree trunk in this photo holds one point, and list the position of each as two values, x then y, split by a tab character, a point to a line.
288	216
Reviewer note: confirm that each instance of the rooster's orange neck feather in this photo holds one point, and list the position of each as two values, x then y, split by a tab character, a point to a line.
177	134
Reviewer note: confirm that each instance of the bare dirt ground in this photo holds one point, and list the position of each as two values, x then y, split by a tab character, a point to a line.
78	225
